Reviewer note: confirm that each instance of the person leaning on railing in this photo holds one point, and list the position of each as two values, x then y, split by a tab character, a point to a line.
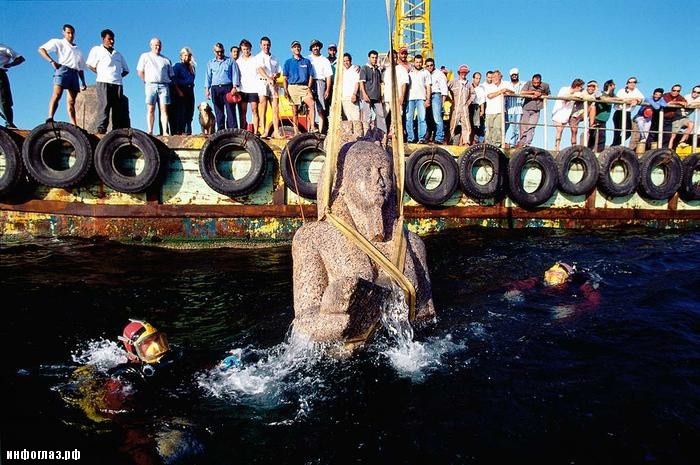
533	91
631	97
603	108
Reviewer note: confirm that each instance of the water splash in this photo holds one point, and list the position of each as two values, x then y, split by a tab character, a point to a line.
410	358
102	353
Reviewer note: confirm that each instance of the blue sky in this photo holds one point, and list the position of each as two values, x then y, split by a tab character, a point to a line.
562	40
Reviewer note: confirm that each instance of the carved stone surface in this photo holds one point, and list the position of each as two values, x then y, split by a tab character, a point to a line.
338	289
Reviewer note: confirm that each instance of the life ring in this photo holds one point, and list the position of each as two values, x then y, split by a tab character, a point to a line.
670	163
218	146
416	175
483	156
584	156
691	190
45	157
300	145
548	181
12	174
607	160
127	142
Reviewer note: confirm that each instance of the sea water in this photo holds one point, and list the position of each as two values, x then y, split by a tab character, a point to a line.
492	378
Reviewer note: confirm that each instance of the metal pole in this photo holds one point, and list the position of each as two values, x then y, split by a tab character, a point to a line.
624	125
503	122
546	128
660	141
585	123
696	131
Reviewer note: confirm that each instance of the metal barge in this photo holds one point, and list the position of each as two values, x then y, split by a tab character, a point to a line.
180	206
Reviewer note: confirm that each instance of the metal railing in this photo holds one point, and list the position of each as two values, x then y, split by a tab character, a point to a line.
547	124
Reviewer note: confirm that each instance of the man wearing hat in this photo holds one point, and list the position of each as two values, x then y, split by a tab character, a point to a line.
514	110
333	59
462	97
298	78
321	87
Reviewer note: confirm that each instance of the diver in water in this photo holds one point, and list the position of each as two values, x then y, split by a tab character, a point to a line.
563	282
125	394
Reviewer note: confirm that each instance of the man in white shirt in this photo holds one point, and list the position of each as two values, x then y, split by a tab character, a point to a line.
494	107
8	59
250	83
269	70
351	88
402	82
323	72
693	99
419	94
110	67
69	66
437	99
156	71
632	97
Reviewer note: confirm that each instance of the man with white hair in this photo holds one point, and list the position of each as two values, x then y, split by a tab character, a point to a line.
156	72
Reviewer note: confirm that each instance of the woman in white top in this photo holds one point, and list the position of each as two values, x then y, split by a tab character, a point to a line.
563	108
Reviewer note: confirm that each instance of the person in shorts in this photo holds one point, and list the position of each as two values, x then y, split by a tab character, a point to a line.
268	71
156	71
69	67
298	77
250	83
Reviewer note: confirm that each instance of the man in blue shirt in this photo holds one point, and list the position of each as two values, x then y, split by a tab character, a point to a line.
221	78
298	79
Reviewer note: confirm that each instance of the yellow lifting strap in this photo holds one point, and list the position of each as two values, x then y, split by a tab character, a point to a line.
394	267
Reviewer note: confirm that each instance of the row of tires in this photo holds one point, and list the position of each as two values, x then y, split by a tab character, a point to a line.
616	172
506	176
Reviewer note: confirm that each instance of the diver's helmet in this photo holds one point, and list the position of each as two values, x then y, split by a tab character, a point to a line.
143	342
558	274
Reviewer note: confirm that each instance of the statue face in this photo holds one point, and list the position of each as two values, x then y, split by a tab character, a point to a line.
369	175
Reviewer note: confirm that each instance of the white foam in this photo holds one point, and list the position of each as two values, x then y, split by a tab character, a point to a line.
101	353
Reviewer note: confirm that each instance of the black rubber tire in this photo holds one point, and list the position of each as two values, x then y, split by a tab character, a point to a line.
105	154
35	163
14	170
688	190
585	156
548	184
291	153
236	138
450	178
631	164
669	161
494	157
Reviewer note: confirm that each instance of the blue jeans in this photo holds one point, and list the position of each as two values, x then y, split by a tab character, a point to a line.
512	128
419	107
436	107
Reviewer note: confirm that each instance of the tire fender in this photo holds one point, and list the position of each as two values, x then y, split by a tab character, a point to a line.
291	154
690	190
414	184
35	152
630	163
216	145
12	174
585	156
491	156
106	163
670	163
548	184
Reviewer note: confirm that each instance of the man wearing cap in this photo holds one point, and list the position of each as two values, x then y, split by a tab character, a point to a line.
534	90
403	59
462	98
69	66
333	59
321	87
8	59
110	67
437	100
632	97
222	77
156	71
298	75
371	91
514	109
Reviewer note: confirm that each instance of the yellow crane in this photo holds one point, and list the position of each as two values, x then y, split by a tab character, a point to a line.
412	27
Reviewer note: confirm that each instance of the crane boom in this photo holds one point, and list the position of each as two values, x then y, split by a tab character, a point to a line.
412	27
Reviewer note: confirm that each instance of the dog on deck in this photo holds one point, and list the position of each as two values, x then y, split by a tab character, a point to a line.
206	118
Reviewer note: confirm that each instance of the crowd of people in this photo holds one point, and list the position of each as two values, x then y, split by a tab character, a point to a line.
434	107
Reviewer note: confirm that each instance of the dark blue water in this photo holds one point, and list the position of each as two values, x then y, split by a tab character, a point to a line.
493	379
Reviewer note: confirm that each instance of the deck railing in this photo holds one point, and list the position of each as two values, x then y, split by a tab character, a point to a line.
547	124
